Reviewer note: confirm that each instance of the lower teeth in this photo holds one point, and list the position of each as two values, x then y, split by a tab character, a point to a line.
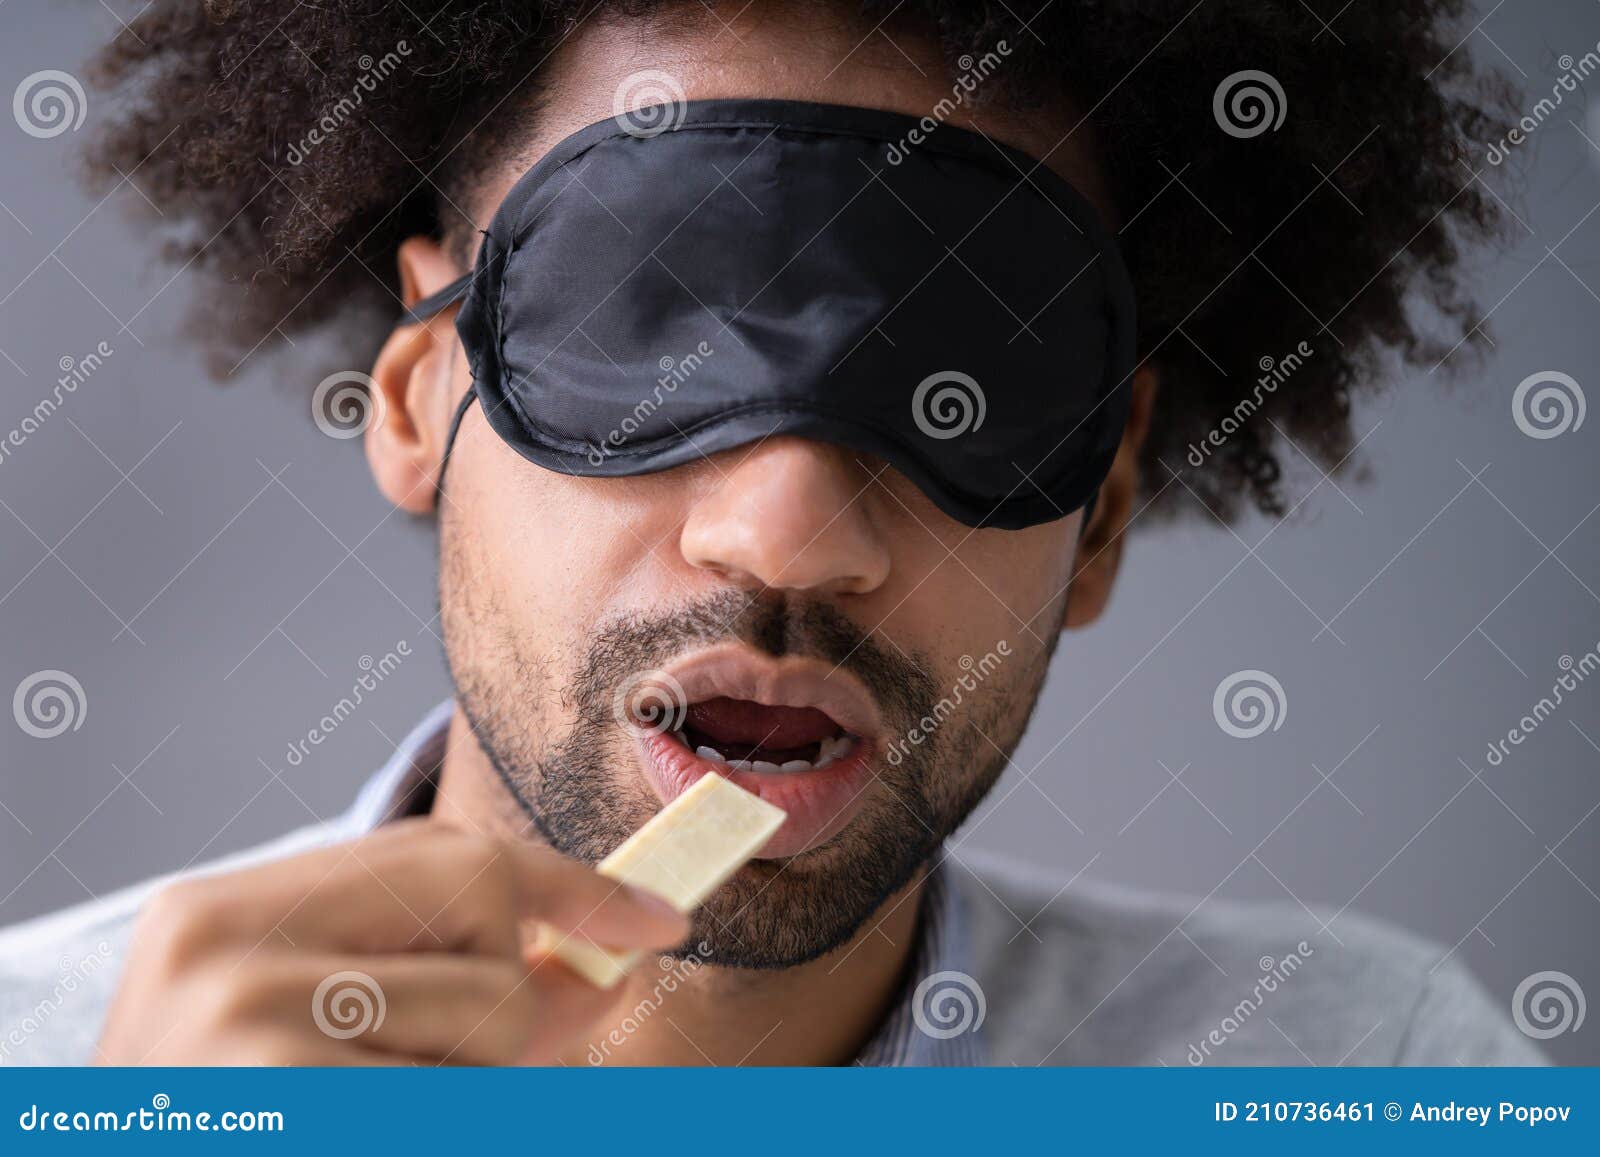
828	751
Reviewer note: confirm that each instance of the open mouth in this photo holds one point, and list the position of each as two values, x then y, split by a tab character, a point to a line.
795	732
758	737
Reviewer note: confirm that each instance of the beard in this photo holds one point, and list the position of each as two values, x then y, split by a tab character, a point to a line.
574	781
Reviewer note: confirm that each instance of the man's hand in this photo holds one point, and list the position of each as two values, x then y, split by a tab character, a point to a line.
223	969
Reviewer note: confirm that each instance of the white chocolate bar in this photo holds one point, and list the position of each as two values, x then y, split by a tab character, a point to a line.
686	852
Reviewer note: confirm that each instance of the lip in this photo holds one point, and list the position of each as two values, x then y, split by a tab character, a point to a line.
819	803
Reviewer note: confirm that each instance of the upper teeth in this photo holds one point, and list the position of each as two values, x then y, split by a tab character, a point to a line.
827	751
831	749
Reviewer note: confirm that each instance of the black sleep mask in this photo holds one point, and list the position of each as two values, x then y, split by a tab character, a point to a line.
695	277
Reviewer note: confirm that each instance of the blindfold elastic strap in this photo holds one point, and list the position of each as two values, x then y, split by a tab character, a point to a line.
419	314
450	438
434	302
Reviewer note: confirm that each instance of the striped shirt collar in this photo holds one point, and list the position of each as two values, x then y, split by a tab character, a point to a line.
937	1020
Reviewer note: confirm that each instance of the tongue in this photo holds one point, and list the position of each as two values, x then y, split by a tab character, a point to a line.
739	721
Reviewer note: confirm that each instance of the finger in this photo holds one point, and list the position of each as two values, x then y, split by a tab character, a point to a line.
572	897
570	1015
437	1008
456	889
460	1011
452	1009
417	885
413	886
278	1047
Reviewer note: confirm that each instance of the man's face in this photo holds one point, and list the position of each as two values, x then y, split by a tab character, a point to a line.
858	657
804	601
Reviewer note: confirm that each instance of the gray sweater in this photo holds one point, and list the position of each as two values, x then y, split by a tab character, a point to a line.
1012	968
1088	976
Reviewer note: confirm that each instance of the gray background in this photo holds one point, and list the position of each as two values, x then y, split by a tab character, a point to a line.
211	568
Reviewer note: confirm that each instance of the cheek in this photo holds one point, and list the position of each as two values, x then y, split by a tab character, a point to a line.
959	591
563	553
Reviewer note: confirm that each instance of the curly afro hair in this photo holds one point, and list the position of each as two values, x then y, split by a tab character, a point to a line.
1342	228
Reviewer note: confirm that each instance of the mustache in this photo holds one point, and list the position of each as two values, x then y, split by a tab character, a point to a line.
775	623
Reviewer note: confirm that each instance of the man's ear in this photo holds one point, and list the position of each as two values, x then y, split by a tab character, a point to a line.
414	380
1100	547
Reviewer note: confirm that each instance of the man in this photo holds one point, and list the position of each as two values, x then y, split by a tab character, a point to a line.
822	617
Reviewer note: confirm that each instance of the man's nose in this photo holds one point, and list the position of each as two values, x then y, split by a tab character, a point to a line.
791	514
